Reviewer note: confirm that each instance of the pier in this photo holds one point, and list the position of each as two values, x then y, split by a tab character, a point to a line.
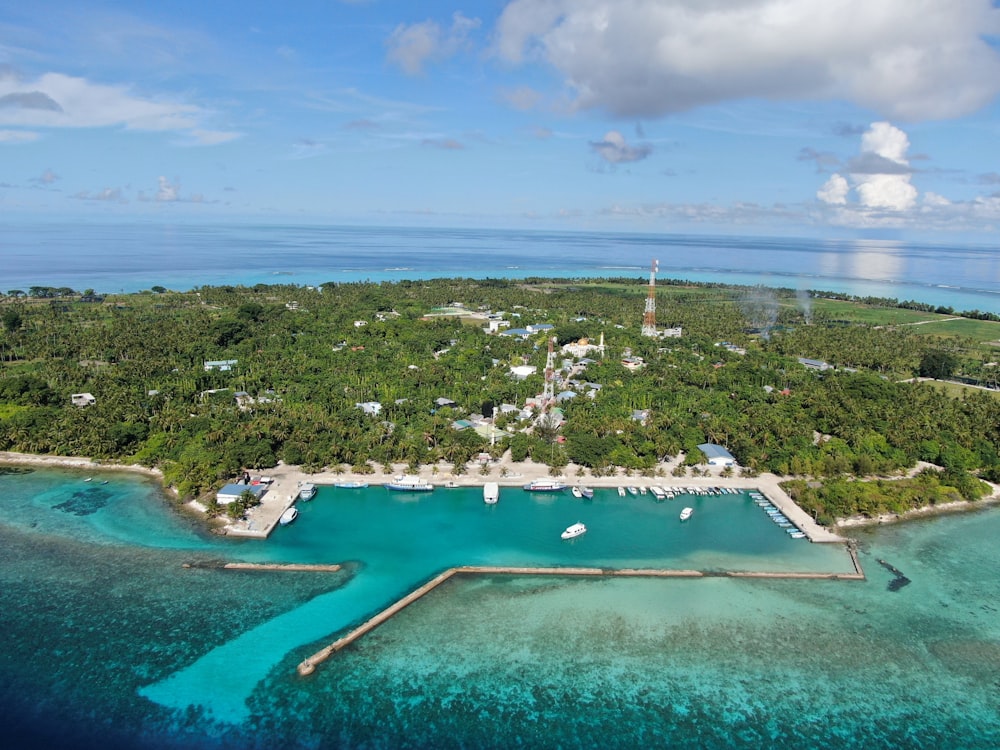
290	567
309	664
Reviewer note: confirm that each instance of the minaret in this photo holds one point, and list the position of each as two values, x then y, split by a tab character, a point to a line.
649	317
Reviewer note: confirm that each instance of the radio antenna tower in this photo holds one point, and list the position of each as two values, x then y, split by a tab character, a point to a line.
649	317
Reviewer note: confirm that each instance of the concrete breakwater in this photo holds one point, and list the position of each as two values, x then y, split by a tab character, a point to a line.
309	664
291	567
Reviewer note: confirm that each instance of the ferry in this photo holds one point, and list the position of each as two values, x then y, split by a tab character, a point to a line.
491	493
351	485
574	531
545	485
686	513
288	516
307	491
408	483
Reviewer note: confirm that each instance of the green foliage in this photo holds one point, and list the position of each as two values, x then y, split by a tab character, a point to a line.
937	364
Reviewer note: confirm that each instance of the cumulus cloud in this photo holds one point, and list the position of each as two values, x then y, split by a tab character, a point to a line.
412	46
614	149
168	191
645	58
880	175
45	178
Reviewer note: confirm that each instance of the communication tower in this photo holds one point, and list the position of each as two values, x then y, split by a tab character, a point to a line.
649	317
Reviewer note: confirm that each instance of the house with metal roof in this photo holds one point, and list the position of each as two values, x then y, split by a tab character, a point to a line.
717	455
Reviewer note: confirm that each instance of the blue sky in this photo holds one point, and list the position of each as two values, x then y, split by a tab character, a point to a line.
762	116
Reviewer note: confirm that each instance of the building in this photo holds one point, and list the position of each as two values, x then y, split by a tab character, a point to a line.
83	399
232	492
814	364
222	365
372	408
717	455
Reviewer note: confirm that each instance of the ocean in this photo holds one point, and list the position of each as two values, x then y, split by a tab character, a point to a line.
131	257
111	642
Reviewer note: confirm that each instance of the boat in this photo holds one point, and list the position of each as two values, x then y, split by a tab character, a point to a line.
577	492
587	492
686	513
409	483
307	491
574	531
491	493
621	492
643	490
545	485
288	516
658	492
632	490
451	484
351	485
797	535
89	479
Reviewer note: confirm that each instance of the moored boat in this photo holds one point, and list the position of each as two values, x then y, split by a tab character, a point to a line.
577	492
574	531
545	485
288	516
307	490
621	492
632	490
587	492
351	485
409	483
686	513
491	493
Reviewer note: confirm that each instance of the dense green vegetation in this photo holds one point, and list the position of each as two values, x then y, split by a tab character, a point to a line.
305	358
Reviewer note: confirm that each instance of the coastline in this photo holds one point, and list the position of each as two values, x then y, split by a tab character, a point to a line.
262	519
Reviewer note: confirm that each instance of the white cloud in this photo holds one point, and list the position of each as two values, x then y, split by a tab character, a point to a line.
167	192
411	47
652	57
614	149
880	175
107	195
834	191
55	100
17	136
46	178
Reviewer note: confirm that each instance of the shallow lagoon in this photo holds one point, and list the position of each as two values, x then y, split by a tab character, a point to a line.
110	640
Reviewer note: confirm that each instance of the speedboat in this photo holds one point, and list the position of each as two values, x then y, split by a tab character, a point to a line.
686	513
587	492
451	484
288	516
621	492
409	483
491	493
351	485
574	531
307	491
545	485
577	492
632	490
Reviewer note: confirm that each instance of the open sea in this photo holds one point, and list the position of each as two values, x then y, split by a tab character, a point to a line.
109	641
131	257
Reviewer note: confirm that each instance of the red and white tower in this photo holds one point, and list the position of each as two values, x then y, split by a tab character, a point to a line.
649	317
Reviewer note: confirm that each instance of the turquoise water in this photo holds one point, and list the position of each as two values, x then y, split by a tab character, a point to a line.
110	642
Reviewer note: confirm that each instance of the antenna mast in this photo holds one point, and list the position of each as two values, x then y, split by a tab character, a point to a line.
649	317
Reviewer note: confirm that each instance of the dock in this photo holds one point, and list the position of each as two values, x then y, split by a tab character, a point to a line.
290	567
308	665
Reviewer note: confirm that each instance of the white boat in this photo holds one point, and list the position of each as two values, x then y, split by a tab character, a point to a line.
797	535
545	485
307	491
686	513
451	484
643	490
587	492
621	492
658	492
574	531
491	493
632	490
351	485
288	516
577	492
409	483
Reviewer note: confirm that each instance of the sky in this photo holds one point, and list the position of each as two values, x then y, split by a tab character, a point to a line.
819	117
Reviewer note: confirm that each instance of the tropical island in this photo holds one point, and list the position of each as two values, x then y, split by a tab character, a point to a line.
465	376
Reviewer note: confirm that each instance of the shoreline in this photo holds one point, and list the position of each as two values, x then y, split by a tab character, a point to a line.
262	519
